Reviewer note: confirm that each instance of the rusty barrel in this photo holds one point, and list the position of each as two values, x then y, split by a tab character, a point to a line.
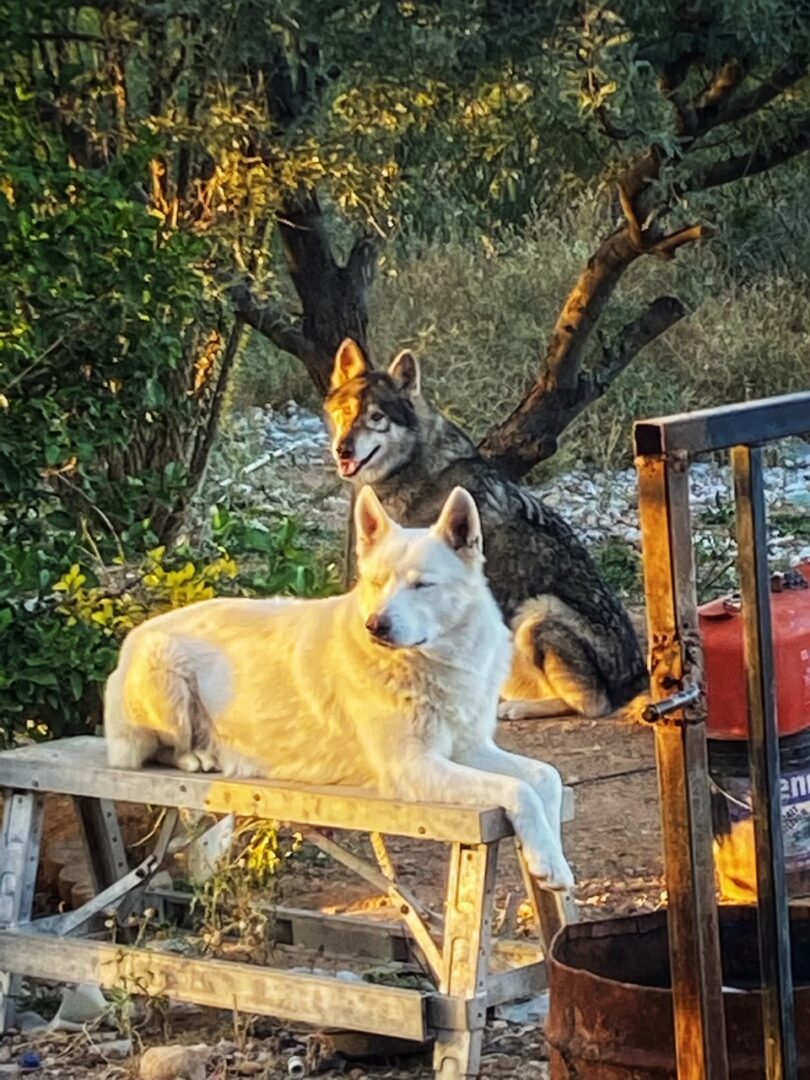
610	1013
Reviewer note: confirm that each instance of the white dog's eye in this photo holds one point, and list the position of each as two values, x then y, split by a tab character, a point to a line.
422	584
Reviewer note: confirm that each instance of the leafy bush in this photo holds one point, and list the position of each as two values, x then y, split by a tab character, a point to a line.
63	614
98	301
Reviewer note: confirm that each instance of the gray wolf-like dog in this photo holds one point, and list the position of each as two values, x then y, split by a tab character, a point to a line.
392	687
575	647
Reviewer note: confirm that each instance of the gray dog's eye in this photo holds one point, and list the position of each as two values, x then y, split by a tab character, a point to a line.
376	417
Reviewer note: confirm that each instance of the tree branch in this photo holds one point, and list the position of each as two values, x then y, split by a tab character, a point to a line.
334	298
755	161
274	324
668	245
731	109
560	391
530	435
658	317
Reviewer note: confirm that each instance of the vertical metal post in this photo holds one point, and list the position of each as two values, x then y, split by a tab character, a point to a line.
680	743
763	757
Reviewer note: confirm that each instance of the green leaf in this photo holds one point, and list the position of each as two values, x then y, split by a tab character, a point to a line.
76	684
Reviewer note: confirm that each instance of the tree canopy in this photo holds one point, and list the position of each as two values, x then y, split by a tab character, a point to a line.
166	163
175	171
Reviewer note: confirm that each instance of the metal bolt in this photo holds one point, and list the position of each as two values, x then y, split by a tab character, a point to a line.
656	710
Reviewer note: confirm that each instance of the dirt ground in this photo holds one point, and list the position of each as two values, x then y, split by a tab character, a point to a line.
613	845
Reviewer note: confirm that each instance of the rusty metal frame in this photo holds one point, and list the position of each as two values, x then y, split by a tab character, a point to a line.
663	449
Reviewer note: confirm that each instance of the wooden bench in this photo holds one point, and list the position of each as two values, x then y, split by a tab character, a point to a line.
457	950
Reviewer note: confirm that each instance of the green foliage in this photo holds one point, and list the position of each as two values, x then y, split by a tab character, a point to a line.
98	298
236	901
620	566
62	620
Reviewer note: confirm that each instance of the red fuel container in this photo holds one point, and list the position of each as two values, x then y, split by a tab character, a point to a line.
721	628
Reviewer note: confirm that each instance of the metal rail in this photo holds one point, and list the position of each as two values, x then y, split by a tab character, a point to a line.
664	447
763	760
749	423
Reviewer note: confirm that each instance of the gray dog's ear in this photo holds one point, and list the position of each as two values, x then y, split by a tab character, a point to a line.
371	522
349	363
459	524
404	370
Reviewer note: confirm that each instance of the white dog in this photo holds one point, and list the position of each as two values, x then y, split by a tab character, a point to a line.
391	687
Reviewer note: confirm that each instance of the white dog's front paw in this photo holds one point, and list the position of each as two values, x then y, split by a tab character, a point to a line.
196	761
208	761
549	867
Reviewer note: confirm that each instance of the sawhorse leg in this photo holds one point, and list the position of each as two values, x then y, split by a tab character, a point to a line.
103	842
19	861
467	936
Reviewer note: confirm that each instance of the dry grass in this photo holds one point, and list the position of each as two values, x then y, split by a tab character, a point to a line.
478	313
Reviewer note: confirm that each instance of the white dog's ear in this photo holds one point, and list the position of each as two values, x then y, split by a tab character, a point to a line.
349	363
371	522
459	524
404	370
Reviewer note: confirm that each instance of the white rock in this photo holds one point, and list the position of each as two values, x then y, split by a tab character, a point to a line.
117	1049
524	1012
174	1062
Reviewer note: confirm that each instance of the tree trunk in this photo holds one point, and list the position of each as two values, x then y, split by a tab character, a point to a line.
334	298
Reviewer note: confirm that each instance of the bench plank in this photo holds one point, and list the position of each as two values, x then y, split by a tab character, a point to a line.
220	984
78	767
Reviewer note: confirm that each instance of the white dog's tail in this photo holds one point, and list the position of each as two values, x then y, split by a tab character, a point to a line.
128	746
149	702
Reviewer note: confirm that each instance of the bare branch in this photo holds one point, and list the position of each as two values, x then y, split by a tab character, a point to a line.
722	86
742	105
668	245
334	298
661	314
758	160
629	211
696	116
